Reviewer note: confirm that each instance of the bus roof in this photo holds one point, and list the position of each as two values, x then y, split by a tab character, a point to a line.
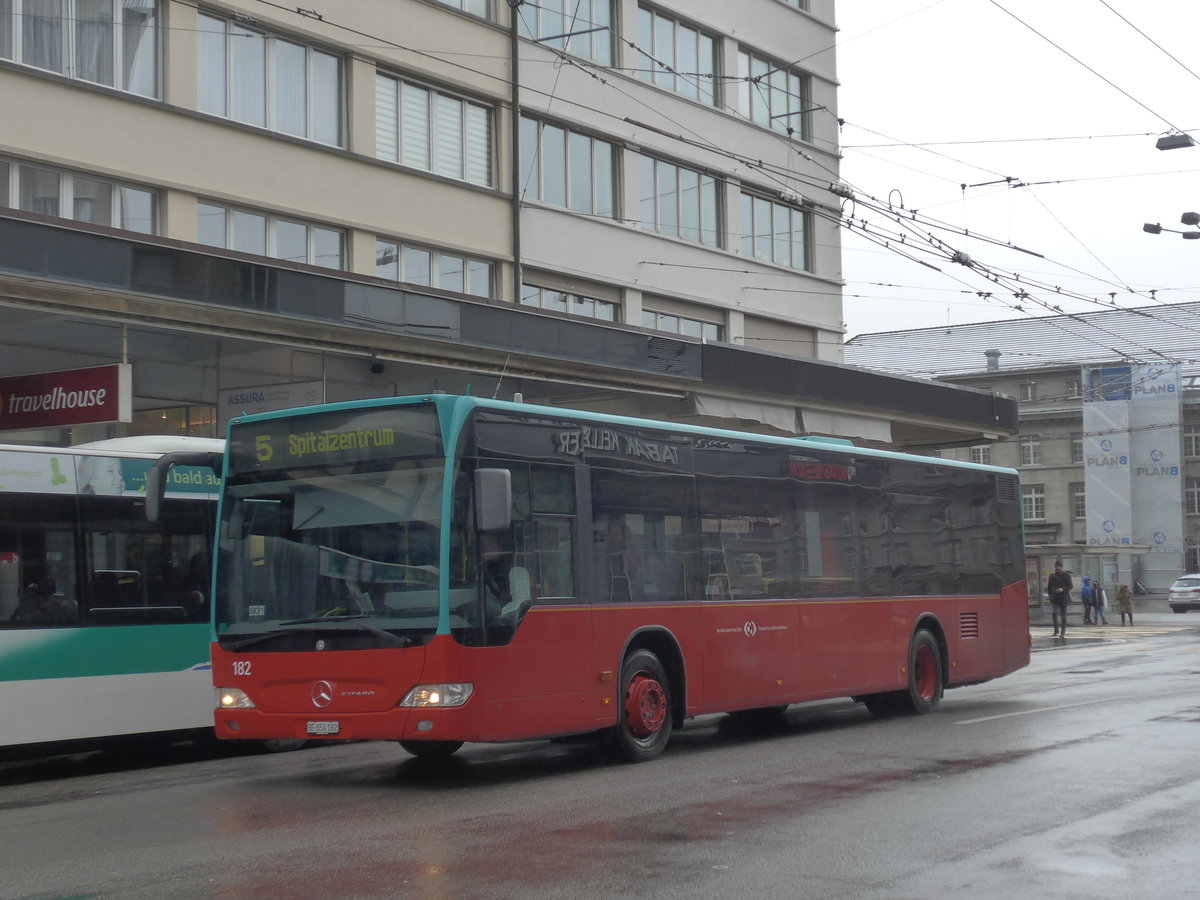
153	443
461	405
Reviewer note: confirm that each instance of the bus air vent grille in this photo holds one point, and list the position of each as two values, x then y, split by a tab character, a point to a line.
968	625
1006	489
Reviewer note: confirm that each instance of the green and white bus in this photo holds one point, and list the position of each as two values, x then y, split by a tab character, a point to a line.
104	617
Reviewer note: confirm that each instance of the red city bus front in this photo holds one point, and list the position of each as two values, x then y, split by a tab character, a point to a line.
390	694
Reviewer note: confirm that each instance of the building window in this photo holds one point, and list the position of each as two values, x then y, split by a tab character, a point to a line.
1191	497
257	78
427	267
982	455
433	131
1031	452
1077	448
252	231
1033	503
575	305
799	4
676	324
1078	502
78	196
1191	552
566	168
474	7
115	44
774	231
1074	389
678	201
774	96
1027	390
1191	440
556	19
677	57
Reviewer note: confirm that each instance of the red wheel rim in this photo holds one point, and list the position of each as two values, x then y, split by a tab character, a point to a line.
925	672
645	705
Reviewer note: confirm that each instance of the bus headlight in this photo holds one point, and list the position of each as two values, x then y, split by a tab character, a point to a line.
233	698
438	695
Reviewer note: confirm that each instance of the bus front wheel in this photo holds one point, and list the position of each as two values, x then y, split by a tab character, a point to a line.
644	724
431	749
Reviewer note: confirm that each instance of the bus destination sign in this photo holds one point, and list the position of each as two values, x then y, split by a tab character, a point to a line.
335	438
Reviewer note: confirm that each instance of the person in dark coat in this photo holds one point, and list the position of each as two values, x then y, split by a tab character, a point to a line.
1058	588
1125	602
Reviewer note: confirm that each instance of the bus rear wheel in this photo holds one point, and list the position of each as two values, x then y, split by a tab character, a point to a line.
925	685
431	749
644	724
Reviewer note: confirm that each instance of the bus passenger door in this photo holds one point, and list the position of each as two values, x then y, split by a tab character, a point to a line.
541	681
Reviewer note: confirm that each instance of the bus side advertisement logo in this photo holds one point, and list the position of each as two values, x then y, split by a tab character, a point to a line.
750	628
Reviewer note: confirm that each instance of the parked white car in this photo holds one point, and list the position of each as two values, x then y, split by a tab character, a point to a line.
1185	594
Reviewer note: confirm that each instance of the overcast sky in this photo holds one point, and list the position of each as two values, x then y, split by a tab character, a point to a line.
937	94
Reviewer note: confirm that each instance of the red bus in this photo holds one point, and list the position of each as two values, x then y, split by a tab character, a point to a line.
442	569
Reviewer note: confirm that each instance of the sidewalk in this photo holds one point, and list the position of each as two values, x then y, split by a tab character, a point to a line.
1041	622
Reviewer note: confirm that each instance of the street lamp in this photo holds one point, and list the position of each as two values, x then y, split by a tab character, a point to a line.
1188	218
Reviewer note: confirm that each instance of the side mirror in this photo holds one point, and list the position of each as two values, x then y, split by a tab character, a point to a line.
493	499
156	478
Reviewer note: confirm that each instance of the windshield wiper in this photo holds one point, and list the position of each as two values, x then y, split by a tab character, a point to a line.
316	512
393	639
254	639
316	620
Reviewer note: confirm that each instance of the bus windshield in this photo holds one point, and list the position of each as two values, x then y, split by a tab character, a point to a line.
347	541
324	548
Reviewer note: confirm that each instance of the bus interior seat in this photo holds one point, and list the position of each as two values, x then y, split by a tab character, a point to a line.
112	588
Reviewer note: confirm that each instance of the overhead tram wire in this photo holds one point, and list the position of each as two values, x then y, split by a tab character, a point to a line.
1023	293
1072	56
1121	284
930	223
1023	297
1150	39
1025	184
1031	140
1034	283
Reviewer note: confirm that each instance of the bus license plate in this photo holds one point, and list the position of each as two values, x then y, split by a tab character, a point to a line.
323	727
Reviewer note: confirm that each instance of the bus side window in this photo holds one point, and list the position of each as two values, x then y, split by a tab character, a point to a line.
38	575
643	545
544	528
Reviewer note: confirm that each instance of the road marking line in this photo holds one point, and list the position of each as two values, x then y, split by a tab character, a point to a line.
1042	709
1029	712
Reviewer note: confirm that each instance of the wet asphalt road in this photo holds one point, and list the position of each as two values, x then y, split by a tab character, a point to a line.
1076	777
